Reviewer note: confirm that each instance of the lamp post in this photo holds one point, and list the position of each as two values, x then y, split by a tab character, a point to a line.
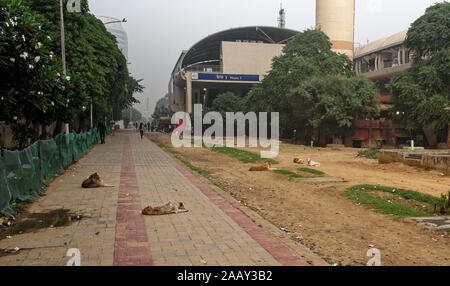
63	52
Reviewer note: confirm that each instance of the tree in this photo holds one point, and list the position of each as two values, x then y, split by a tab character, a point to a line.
226	102
133	86
423	91
135	116
32	88
92	54
161	108
312	88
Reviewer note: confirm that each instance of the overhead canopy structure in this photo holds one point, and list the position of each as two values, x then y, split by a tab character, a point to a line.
208	49
381	44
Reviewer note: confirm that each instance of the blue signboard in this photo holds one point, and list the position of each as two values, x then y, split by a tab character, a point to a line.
228	77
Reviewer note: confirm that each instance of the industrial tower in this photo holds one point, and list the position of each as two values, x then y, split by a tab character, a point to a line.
282	17
336	18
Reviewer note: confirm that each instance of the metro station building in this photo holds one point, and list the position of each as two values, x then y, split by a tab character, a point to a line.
232	60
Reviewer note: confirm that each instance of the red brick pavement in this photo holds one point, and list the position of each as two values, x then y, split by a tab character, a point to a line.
131	242
281	253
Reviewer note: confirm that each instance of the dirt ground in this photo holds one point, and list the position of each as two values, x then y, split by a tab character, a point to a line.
319	215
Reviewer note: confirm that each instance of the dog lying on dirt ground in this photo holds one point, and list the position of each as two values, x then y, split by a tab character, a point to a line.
94	181
260	168
169	208
312	163
298	161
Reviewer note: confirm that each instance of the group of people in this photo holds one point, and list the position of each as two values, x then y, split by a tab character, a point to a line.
101	127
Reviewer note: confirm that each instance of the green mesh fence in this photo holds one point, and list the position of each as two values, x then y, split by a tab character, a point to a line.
25	174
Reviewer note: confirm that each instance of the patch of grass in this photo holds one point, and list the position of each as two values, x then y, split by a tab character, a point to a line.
204	173
443	206
371	153
242	155
407	194
311	171
291	175
383	206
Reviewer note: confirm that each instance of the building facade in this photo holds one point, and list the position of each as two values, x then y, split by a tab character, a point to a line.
114	26
232	60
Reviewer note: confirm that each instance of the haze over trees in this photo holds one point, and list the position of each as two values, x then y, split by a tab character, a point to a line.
314	89
34	91
162	108
423	91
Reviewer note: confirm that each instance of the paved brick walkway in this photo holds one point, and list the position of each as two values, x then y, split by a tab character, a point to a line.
112	232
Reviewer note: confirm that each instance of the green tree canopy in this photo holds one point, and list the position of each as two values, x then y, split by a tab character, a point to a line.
423	91
226	102
312	86
162	108
92	54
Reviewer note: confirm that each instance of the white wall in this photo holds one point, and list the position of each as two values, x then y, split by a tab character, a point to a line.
249	58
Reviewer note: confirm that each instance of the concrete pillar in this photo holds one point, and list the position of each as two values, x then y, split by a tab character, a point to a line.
404	56
399	59
189	92
336	18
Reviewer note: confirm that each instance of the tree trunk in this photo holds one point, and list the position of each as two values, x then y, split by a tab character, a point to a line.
431	135
45	132
36	132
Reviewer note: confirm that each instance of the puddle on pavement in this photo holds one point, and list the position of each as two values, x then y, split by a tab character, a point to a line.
29	222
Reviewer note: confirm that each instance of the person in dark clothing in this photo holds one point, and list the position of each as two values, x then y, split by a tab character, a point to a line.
102	130
142	130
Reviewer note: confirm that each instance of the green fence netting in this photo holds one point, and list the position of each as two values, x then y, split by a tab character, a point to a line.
25	174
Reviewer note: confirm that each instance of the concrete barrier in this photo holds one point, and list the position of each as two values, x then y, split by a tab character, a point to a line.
432	159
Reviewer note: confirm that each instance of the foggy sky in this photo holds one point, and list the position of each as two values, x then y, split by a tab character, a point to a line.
159	30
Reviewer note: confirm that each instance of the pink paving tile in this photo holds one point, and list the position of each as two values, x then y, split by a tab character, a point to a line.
131	242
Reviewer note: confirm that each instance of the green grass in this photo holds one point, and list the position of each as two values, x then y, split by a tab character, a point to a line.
383	206
291	175
188	164
370	153
242	155
311	171
407	194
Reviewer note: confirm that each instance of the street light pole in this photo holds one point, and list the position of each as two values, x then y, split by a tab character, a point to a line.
63	45
63	51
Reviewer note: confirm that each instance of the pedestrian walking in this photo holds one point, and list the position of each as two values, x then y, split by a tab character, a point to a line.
102	130
142	129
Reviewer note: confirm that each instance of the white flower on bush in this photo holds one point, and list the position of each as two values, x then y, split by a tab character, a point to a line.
13	60
38	45
40	93
24	55
48	37
37	59
58	74
53	104
7	24
30	67
68	78
39	27
23	37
